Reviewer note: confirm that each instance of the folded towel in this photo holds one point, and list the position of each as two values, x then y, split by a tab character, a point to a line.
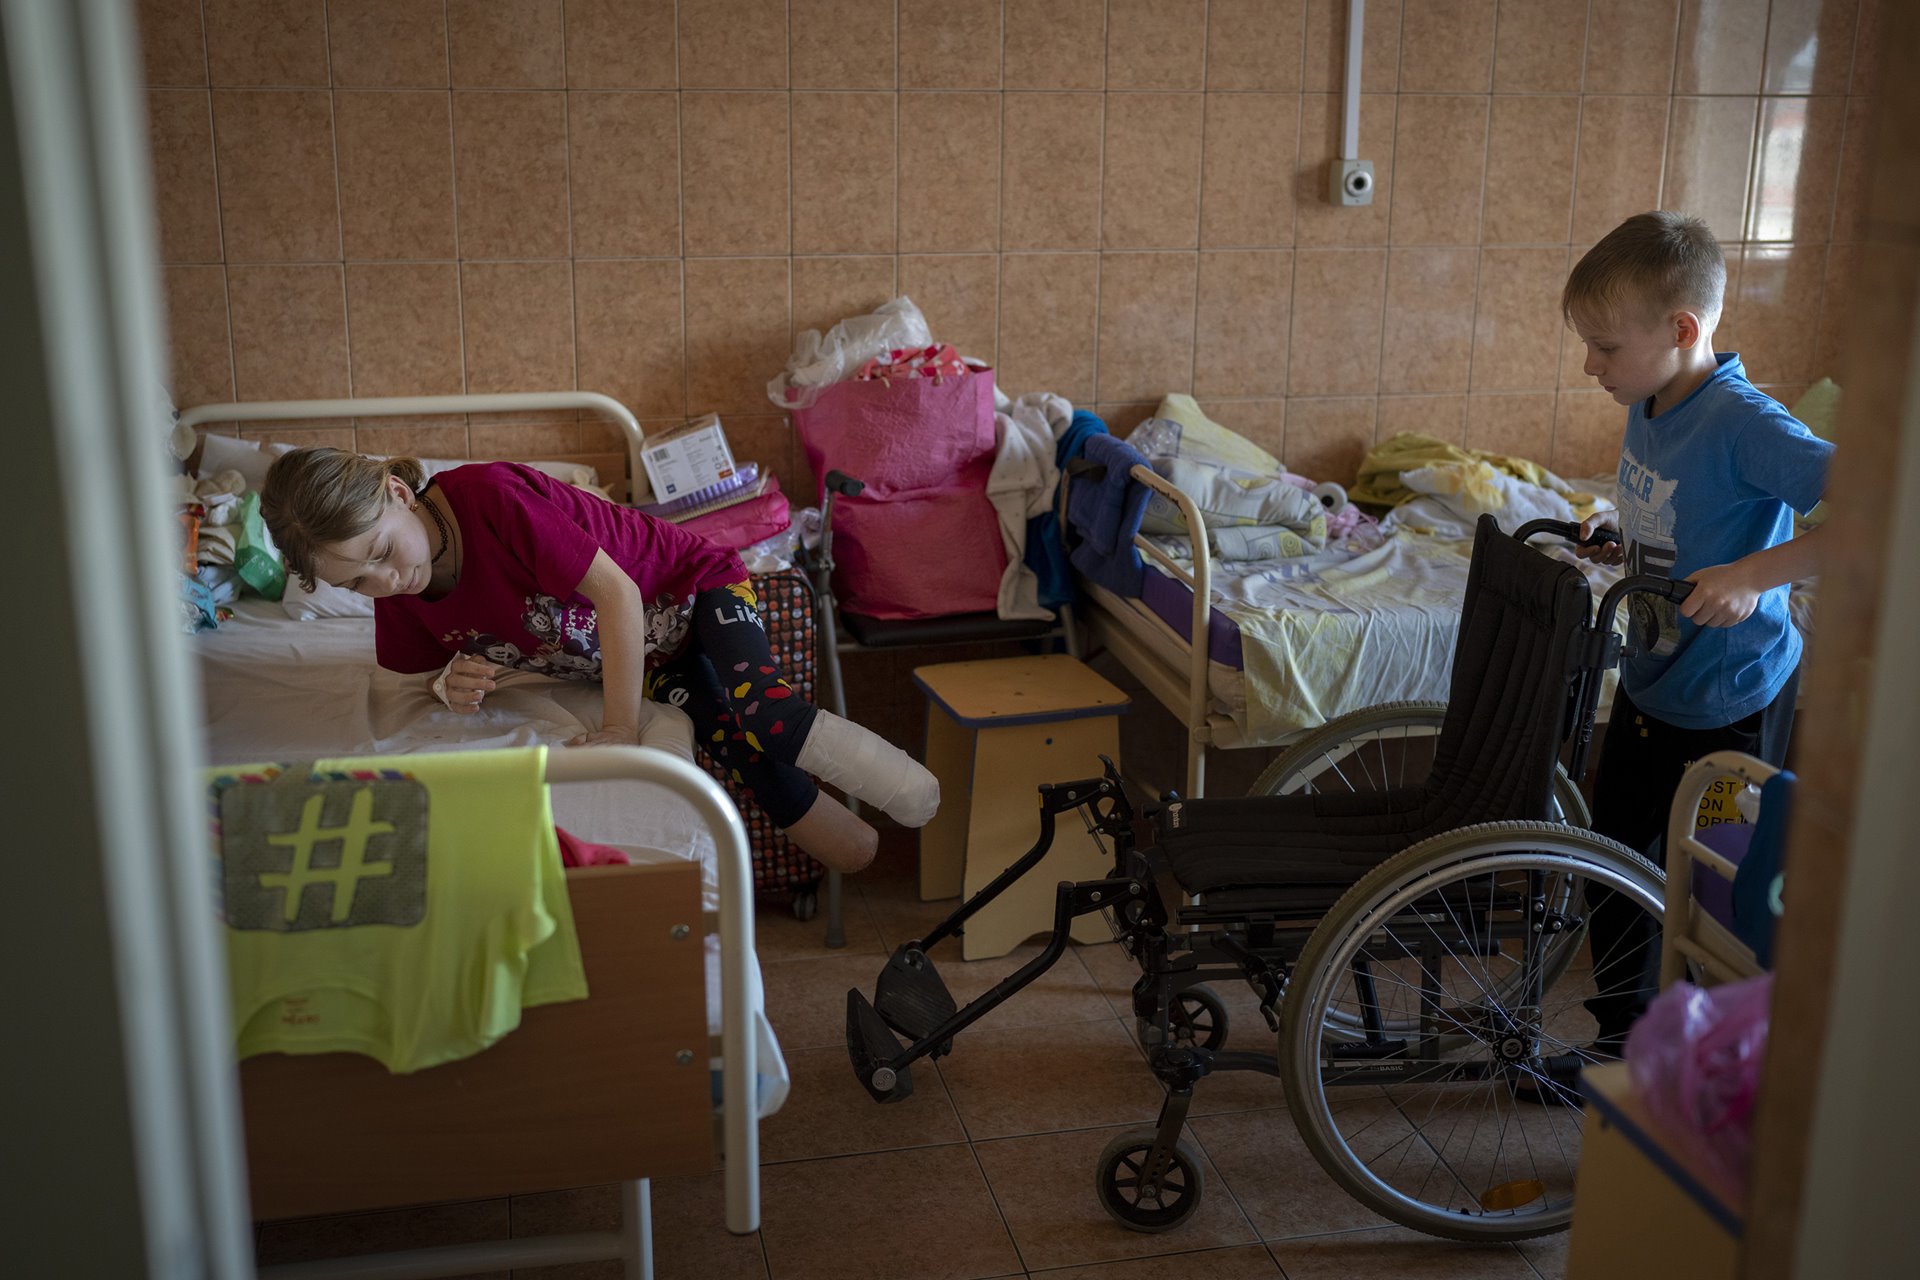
406	908
1105	512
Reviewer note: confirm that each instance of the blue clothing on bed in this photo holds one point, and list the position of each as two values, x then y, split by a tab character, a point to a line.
1106	514
1046	548
1705	483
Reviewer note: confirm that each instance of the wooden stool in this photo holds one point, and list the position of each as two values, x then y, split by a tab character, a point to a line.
996	730
1643	1203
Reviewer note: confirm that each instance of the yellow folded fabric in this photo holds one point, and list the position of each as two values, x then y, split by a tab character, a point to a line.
406	908
1379	479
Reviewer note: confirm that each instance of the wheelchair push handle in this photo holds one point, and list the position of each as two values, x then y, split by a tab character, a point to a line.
1569	530
841	482
1674	589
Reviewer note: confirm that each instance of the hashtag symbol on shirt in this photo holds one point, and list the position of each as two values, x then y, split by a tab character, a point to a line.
353	837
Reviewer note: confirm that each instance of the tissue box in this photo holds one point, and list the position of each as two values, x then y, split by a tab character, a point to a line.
687	458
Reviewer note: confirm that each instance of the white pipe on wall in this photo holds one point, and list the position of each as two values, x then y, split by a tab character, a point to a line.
1350	125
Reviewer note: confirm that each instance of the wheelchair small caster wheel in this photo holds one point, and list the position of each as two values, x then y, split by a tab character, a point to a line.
1139	1202
1197	1019
806	902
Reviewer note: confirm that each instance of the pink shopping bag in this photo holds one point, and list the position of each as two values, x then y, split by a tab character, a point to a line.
922	540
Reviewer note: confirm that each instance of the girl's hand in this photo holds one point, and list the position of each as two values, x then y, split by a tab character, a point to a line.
613	735
1723	595
1606	552
469	680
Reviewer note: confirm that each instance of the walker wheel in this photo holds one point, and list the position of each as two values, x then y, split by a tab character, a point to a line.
806	904
1140	1200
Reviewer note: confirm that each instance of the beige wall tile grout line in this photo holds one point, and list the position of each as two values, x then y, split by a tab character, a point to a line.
453	180
219	212
686	282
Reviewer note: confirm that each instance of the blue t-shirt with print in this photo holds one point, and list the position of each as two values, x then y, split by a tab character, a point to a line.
1704	483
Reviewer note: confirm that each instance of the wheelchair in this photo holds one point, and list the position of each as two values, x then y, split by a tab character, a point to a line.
1417	946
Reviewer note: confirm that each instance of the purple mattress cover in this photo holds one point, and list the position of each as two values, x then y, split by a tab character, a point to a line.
1172	600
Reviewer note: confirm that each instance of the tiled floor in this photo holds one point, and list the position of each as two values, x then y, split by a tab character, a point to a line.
987	1171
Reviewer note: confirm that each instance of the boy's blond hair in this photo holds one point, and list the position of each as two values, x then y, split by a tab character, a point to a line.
1649	266
317	497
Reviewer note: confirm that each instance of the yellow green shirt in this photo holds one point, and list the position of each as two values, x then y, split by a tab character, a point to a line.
404	907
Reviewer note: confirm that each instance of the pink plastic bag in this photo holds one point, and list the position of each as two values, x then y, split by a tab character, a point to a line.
1695	1058
922	540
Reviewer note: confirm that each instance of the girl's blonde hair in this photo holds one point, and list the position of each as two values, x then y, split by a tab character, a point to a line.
317	497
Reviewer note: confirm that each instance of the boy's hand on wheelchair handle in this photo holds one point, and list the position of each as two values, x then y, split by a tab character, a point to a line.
1608	552
1722	596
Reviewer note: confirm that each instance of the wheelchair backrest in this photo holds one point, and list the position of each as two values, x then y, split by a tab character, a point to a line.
1521	629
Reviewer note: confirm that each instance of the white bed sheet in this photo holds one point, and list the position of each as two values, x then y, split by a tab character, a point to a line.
278	689
1325	638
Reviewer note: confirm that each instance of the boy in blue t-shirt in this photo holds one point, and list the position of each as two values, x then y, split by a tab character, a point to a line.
1709	468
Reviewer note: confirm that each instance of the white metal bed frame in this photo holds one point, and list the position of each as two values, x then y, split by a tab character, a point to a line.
1152	650
201	415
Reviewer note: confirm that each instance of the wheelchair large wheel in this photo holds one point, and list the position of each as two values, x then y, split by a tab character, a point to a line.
1391	745
1374	748
1424	1038
1143	1199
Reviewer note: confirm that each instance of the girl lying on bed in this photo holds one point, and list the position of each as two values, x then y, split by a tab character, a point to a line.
502	566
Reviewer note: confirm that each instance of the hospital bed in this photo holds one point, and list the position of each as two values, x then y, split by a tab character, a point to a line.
605	1090
1388	654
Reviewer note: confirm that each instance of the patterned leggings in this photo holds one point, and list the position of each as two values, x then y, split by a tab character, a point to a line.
745	715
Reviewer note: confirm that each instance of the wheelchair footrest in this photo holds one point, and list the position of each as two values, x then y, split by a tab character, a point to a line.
911	996
872	1046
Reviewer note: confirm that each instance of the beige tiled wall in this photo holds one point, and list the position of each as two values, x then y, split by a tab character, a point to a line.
1109	199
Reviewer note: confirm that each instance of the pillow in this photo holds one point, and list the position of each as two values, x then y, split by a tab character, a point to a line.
324	601
1199	438
228	453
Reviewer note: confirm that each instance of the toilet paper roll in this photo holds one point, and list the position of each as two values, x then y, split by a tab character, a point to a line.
1331	496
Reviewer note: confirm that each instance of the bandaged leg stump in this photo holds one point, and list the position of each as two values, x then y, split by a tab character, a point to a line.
996	730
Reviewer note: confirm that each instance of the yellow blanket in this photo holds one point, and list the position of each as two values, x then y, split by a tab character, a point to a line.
1379	479
406	913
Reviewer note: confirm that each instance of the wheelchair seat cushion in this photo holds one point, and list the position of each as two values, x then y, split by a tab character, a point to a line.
1274	841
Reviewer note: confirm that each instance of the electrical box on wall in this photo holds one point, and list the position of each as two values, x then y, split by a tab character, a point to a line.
1352	182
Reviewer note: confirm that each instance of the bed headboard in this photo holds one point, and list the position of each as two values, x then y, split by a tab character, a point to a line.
637	489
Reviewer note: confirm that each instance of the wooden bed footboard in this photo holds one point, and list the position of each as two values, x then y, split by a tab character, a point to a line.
606	1089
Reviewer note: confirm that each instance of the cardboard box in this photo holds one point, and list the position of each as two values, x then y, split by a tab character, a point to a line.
687	458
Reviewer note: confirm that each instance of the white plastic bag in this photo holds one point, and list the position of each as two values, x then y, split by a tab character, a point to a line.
820	361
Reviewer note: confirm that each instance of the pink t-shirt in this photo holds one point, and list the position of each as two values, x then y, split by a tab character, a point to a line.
527	541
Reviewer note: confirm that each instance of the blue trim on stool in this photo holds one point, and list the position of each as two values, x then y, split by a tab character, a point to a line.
1646	1146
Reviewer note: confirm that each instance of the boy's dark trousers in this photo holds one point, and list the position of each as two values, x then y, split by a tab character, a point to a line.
1641	763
